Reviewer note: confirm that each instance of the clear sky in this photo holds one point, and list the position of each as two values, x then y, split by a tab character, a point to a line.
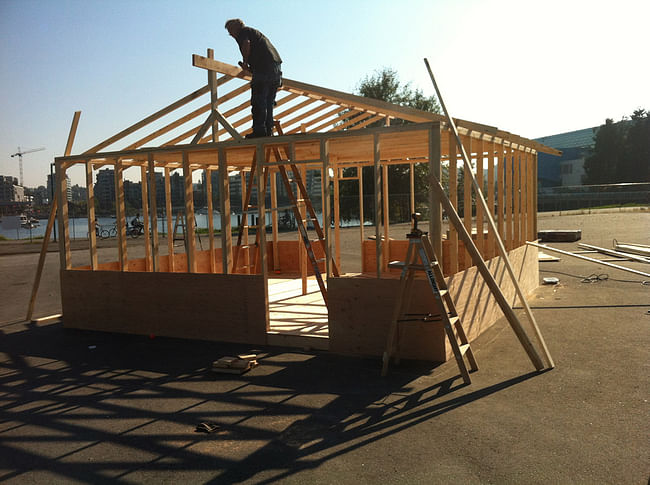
528	67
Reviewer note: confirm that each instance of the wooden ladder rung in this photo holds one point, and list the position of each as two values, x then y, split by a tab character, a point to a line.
401	264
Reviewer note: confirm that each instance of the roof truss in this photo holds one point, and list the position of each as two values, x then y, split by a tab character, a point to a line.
301	108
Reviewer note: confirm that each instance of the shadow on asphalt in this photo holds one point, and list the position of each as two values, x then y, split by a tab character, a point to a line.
61	399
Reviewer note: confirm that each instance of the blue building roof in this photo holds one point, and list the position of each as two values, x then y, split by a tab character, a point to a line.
574	144
573	139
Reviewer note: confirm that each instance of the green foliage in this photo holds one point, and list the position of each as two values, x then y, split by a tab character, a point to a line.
385	85
621	152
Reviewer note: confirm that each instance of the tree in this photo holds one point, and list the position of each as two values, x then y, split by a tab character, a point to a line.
385	85
621	151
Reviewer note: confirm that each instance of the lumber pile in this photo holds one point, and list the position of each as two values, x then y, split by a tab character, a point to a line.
235	365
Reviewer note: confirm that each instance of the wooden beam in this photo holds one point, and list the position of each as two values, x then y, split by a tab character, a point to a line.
374	106
490	193
435	205
50	222
208	196
509	188
120	215
224	208
479	208
467	194
453	197
149	119
302	116
386	217
509	313
64	231
514	322
337	214
377	205
501	210
325	157
168	210
153	204
92	221
523	177
145	218
189	215
516	206
361	214
274	219
260	156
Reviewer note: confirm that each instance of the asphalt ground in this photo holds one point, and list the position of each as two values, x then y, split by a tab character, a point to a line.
91	407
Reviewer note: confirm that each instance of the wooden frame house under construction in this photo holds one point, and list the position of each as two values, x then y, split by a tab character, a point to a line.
252	284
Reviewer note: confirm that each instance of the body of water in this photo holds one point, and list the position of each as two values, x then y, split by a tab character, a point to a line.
79	225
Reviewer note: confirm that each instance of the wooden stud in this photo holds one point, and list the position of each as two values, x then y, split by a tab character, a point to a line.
489	280
534	206
274	220
120	215
453	197
530	194
157	115
500	206
467	194
325	157
189	215
508	189
337	221
244	227
435	205
92	220
361	214
377	185
210	207
385	212
479	208
168	210
516	194
145	219
50	222
490	193
411	187
153	204
64	232
524	198
261	227
224	208
514	322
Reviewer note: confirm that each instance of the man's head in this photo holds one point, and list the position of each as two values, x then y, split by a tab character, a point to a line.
233	26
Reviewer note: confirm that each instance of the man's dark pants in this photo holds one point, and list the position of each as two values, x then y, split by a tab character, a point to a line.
263	88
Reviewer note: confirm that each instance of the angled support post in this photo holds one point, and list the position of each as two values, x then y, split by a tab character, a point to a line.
50	223
512	319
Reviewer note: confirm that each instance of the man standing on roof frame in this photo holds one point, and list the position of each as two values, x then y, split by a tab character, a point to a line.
262	60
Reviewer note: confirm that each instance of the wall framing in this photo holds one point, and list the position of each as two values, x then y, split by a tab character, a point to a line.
319	142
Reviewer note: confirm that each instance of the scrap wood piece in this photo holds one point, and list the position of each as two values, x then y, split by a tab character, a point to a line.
206	427
634	248
543	257
235	365
618	254
559	235
549	248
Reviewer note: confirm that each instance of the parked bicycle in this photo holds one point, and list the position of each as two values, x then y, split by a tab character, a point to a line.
108	231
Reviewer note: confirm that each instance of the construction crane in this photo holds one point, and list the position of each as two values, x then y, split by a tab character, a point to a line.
20	154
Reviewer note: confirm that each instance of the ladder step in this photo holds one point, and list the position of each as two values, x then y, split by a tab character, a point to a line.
401	264
420	317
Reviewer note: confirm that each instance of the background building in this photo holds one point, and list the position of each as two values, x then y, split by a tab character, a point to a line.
569	168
